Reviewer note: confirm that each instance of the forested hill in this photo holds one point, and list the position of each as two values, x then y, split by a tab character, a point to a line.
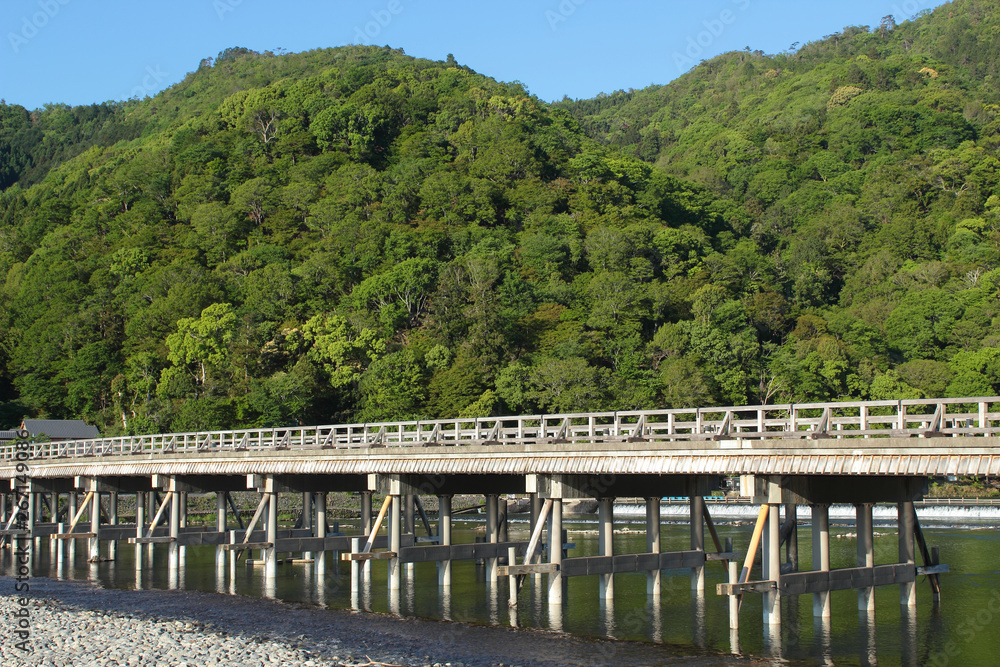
354	234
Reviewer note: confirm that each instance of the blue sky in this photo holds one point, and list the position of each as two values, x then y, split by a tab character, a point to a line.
83	51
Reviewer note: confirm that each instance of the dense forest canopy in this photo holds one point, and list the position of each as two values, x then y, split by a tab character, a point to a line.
354	234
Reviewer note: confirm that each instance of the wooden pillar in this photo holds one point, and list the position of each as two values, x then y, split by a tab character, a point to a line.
183	509
395	540
54	506
866	553
606	536
821	556
771	563
653	542
907	552
444	532
697	506
555	552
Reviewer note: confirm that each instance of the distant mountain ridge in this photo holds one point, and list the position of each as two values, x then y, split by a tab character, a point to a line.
354	234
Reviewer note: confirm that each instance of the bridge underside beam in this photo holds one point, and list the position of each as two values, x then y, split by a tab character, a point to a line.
200	483
620	486
428	485
53	485
827	490
112	484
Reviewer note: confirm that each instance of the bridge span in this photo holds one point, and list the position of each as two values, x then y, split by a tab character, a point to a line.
817	454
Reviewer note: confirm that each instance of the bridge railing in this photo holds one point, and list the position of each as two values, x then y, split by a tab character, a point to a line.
967	417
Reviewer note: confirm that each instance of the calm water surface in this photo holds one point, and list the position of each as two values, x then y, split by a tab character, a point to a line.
962	630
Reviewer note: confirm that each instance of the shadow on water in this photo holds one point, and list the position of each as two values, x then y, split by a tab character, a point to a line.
959	632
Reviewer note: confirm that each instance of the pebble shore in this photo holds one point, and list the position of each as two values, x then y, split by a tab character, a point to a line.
77	622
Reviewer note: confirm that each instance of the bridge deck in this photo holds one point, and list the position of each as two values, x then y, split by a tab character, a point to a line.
957	436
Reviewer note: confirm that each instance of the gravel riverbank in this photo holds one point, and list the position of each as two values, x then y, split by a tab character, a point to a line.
77	622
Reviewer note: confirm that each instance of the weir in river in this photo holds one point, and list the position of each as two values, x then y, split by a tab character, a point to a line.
788	458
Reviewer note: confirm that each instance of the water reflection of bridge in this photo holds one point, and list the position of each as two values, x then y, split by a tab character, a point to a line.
784	455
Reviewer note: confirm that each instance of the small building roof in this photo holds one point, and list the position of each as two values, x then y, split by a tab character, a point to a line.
61	429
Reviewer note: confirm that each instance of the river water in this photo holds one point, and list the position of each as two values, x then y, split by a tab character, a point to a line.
961	630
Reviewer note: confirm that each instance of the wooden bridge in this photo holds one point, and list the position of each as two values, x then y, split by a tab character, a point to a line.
816	454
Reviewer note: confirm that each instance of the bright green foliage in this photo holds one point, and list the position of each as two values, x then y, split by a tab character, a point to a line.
353	234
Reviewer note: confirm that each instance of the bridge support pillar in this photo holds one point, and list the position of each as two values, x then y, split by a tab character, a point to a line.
307	519
698	541
771	563
792	541
140	525
175	527
555	552
319	499
653	542
821	556
606	537
271	553
395	541
492	536
444	532
112	521
906	520
54	507
366	525
220	527
866	553
535	507
95	525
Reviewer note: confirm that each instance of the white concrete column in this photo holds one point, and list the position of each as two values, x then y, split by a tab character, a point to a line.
653	542
493	536
698	540
395	540
907	553
95	526
821	556
444	531
140	525
175	528
771	563
220	527
606	536
320	502
555	552
271	557
866	553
